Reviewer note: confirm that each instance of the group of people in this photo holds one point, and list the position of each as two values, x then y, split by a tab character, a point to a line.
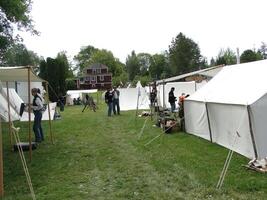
112	100
173	99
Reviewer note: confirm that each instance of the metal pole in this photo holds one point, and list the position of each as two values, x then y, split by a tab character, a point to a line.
49	114
29	116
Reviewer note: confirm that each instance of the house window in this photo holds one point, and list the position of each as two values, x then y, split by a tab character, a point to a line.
102	84
98	71
101	78
93	78
93	85
87	78
94	71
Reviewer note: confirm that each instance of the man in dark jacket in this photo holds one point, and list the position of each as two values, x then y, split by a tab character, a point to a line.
172	99
109	100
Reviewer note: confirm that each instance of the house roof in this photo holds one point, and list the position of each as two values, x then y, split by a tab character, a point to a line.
96	66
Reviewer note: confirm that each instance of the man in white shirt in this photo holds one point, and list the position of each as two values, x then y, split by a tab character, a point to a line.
37	107
116	102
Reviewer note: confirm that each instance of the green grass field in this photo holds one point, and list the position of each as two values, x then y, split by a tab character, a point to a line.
100	157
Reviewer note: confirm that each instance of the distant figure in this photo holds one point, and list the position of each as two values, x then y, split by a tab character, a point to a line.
116	101
37	107
181	110
153	95
109	100
172	99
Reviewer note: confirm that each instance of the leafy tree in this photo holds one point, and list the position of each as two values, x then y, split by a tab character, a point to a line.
144	63
226	57
263	50
184	55
249	56
55	71
18	55
84	56
132	65
158	66
14	14
90	55
120	80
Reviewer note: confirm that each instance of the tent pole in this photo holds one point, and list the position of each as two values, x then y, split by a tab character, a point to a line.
251	132
151	103
207	111
9	115
137	104
164	105
49	114
29	114
1	163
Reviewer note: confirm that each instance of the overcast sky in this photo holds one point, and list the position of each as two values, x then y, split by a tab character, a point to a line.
146	25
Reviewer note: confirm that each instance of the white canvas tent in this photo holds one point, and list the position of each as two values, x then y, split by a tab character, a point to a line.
129	96
71	94
14	109
231	109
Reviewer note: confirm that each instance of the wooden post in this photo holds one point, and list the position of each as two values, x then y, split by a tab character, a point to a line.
151	103
164	106
208	118
137	104
29	116
9	115
251	133
1	163
49	114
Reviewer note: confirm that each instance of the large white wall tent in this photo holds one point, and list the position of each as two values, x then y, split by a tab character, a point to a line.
71	94
231	109
129	96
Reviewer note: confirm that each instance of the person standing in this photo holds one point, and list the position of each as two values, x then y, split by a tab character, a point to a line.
172	99
116	101
109	100
37	107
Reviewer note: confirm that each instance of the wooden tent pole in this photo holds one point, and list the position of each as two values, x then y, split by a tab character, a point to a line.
9	115
207	111
164	106
251	132
1	163
29	114
49	114
151	103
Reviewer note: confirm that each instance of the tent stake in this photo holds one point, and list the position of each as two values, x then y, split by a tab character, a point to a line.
225	168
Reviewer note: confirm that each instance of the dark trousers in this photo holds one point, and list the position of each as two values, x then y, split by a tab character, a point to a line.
116	106
110	107
37	127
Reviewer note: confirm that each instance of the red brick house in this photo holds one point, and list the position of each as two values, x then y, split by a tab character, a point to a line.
95	76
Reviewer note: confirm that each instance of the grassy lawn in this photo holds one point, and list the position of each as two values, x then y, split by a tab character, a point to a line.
100	157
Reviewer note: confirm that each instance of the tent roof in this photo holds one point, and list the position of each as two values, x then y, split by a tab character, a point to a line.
69	92
210	72
236	84
19	73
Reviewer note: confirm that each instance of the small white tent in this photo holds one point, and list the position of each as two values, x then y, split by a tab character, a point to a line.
231	109
71	94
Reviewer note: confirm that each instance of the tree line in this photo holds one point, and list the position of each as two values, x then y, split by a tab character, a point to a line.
182	56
